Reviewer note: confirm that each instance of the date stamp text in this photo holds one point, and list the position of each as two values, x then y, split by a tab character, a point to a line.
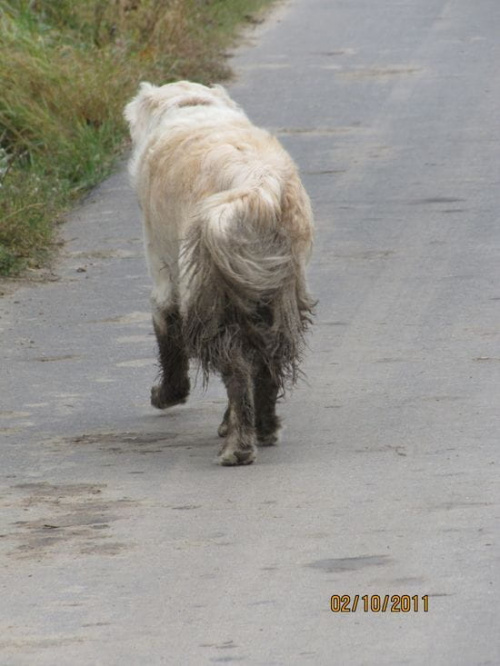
375	603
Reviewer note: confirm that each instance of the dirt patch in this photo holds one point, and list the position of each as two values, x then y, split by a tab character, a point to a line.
131	318
383	74
71	519
335	564
316	131
53	359
129	442
102	254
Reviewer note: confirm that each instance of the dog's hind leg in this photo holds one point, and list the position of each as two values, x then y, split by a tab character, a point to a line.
174	383
266	388
267	423
239	446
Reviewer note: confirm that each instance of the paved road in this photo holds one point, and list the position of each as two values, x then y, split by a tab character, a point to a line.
122	543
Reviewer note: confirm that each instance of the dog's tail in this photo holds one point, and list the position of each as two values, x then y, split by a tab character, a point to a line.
239	233
245	270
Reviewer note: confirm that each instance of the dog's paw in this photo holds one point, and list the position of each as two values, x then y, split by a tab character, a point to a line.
162	399
230	456
269	439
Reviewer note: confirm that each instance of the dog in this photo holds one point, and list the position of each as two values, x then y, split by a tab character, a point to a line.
228	231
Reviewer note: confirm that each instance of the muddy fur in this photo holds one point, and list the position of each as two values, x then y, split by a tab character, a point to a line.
228	233
225	322
174	386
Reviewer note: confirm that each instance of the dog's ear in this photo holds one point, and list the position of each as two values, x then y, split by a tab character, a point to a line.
130	112
145	87
139	109
222	94
143	104
148	96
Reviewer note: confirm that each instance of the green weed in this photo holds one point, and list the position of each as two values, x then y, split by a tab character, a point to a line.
66	70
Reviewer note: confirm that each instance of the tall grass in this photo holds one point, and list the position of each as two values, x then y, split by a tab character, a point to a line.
66	69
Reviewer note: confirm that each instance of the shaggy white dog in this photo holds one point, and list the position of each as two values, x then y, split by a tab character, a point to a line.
228	232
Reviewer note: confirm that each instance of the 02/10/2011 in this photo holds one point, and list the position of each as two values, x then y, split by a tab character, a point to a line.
375	603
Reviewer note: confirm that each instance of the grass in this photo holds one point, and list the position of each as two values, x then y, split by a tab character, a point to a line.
67	68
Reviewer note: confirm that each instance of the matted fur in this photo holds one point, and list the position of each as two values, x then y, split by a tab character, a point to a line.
228	233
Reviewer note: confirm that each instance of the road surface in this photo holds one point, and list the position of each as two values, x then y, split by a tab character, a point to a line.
122	543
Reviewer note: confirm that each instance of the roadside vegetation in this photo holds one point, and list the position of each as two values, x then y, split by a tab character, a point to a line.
67	68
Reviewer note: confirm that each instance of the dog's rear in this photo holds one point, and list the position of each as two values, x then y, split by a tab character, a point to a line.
228	231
